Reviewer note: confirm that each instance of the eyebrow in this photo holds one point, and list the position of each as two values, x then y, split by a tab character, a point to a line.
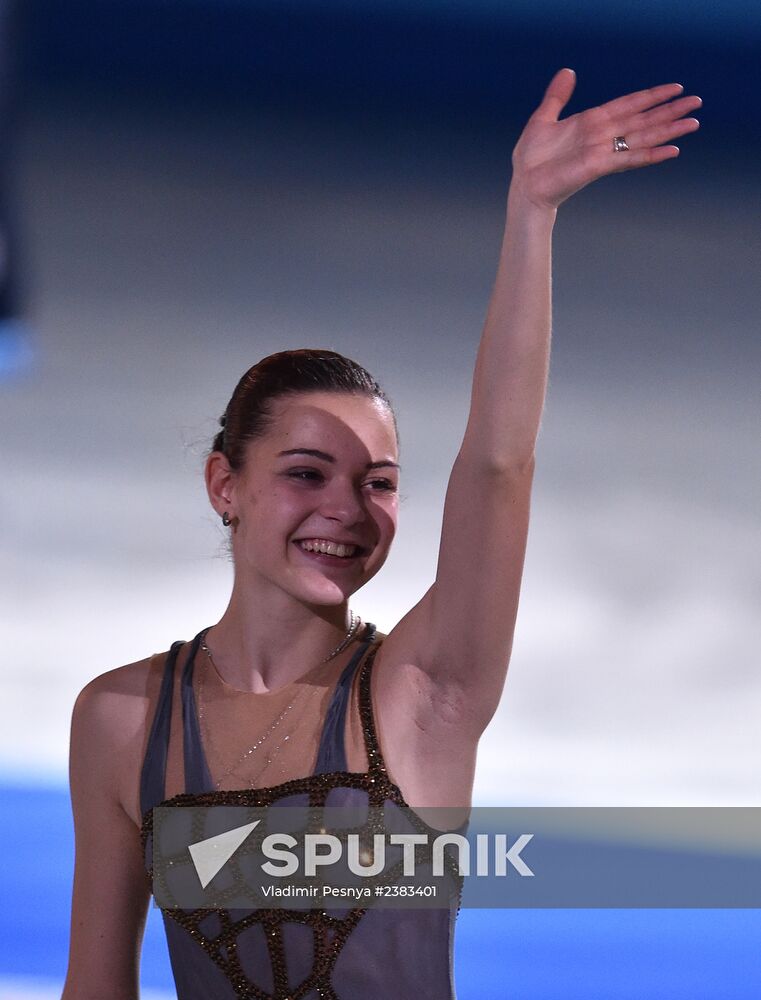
330	458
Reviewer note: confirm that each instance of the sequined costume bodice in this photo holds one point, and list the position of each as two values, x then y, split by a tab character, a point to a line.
278	954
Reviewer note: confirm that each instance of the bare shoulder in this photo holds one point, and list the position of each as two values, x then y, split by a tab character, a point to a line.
114	703
109	727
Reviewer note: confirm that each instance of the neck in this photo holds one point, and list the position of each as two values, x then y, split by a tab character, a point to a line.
261	644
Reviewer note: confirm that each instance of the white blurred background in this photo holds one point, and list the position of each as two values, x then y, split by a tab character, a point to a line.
160	278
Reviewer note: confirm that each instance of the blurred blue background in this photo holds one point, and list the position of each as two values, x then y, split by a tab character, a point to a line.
191	185
442	58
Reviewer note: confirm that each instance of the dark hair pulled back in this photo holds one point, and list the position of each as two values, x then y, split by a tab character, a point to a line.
248	413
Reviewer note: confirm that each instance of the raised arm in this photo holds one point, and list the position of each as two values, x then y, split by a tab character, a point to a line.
456	643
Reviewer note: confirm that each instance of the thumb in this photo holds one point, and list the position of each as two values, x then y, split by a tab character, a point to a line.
557	95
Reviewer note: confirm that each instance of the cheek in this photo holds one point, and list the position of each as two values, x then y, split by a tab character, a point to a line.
387	519
277	503
292	505
274	514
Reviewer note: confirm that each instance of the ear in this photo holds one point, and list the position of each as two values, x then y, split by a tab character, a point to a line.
220	483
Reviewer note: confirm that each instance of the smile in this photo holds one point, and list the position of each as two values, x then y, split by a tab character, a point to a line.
327	547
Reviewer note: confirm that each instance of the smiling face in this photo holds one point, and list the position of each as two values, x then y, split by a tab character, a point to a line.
317	499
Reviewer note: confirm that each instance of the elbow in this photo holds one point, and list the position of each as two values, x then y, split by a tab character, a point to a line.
519	465
503	466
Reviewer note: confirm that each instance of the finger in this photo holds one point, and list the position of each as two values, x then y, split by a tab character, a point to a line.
557	95
666	112
641	100
656	135
645	157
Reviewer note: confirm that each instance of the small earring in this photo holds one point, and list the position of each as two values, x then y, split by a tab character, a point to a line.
226	519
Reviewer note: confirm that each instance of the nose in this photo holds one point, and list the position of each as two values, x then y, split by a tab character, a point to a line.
342	502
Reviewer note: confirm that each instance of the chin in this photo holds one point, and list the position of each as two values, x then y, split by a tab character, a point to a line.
325	593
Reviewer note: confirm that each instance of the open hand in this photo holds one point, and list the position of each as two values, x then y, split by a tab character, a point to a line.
553	159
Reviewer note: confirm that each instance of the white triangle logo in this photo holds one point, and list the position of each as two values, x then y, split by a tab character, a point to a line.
212	854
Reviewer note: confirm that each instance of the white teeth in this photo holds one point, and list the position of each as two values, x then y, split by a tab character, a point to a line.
330	548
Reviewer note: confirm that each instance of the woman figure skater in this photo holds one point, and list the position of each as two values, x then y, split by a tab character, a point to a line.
289	692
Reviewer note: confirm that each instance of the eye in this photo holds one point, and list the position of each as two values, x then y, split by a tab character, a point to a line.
382	485
314	476
305	475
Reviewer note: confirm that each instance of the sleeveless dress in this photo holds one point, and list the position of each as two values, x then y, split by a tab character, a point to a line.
277	954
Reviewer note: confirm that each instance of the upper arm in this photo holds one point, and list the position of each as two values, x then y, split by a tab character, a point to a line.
111	890
459	636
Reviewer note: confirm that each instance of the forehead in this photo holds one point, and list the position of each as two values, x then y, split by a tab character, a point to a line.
347	421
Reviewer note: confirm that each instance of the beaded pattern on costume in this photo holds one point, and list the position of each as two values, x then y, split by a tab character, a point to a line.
330	932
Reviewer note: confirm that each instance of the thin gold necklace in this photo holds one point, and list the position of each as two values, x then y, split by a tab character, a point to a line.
354	623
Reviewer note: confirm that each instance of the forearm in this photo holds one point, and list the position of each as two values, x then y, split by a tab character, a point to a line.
510	378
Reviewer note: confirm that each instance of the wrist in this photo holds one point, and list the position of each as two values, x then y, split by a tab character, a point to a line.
528	226
521	207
